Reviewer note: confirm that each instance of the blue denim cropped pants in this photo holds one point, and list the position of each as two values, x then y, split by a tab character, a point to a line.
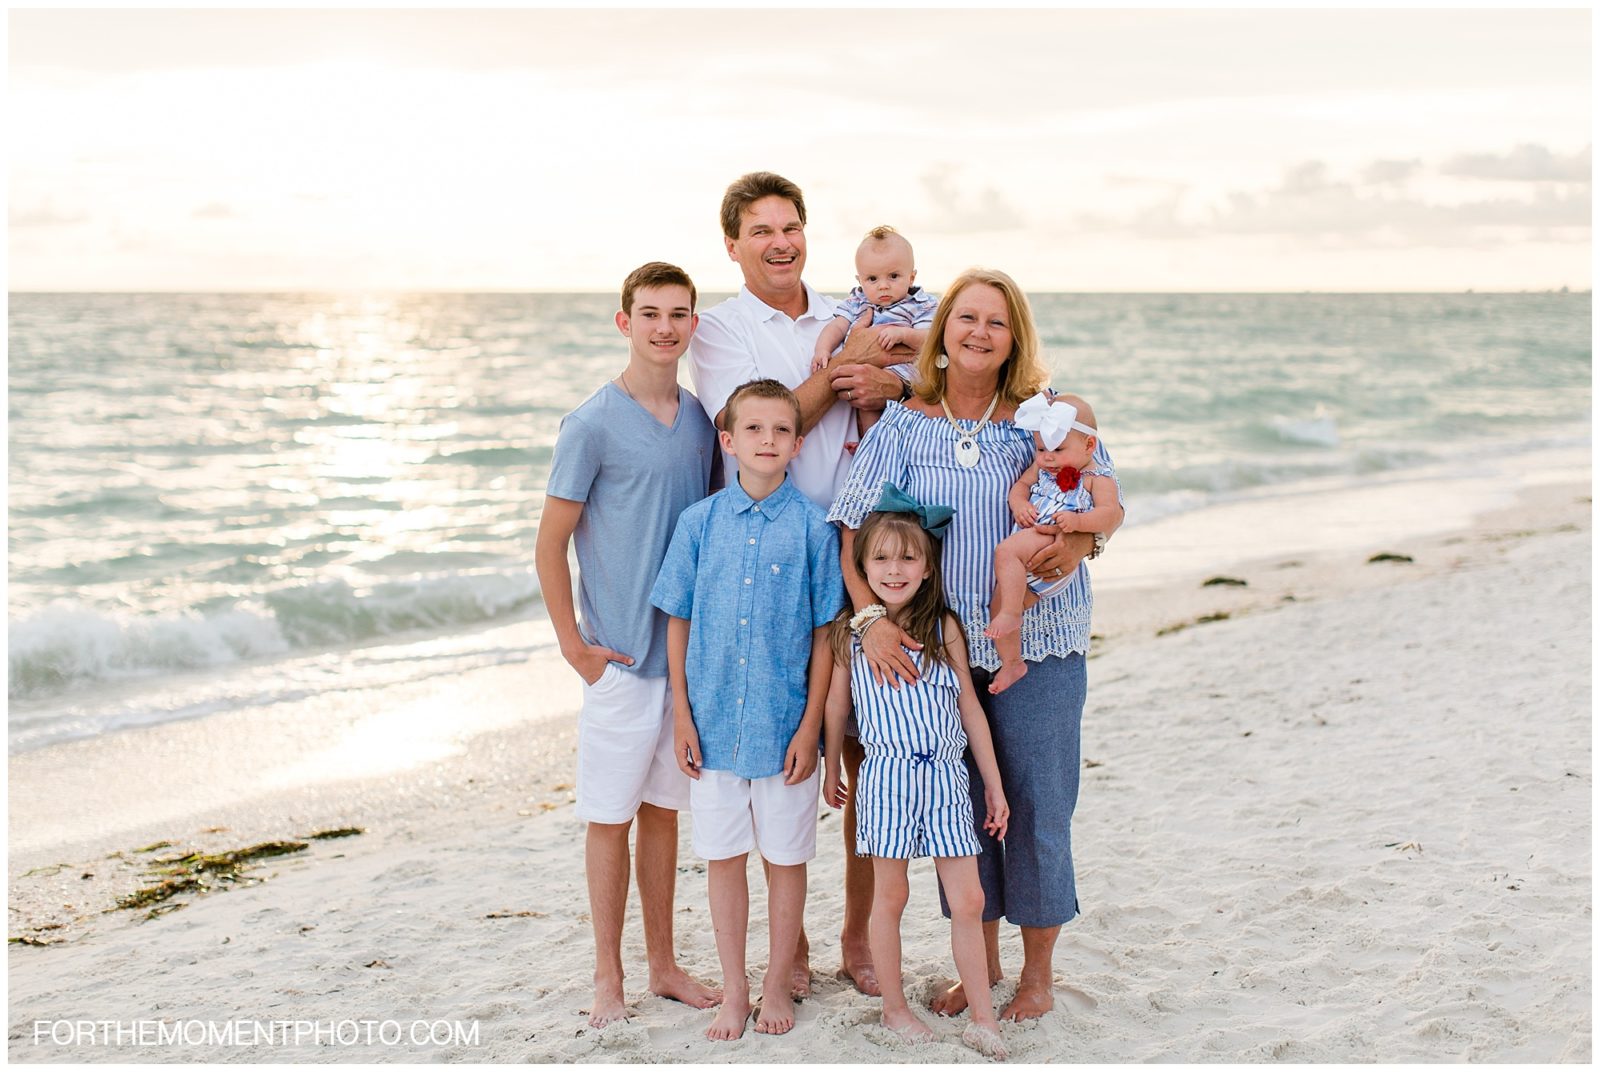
1035	724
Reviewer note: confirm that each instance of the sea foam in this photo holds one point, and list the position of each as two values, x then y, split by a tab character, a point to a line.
66	645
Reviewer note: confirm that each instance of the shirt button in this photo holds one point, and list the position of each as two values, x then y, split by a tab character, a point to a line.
757	509
741	662
741	699
747	580
752	539
744	621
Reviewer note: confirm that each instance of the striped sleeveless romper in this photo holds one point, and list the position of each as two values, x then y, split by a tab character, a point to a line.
911	796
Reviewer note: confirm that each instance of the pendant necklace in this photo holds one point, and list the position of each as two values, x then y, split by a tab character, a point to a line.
967	452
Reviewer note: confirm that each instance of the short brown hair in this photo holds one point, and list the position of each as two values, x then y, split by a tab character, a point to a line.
656	274
765	388
748	189
1022	374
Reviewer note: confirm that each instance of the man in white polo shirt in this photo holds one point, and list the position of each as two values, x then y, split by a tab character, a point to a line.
770	329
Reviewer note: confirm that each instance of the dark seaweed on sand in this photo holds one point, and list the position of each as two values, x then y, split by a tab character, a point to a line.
200	872
343	831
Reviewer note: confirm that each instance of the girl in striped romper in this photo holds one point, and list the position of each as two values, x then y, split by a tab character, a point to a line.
912	795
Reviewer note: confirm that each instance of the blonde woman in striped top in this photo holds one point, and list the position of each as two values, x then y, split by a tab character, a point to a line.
955	442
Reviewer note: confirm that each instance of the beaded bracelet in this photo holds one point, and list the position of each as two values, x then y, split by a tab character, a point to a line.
865	617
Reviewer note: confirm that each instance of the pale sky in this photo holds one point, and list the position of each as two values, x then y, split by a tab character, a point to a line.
556	150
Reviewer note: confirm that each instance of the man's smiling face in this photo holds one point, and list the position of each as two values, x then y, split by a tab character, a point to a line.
771	247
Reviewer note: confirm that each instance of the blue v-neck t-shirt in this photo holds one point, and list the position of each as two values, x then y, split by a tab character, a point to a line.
634	476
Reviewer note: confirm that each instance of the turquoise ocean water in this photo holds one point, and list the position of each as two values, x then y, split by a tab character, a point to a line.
219	485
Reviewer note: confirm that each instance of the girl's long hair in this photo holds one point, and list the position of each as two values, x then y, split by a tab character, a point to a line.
922	616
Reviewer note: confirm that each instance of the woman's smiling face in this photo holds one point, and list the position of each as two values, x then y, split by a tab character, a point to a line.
977	337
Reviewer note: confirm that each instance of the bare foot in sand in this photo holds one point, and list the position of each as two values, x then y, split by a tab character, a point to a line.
1030	1003
800	979
1007	676
986	1040
729	1022
1003	623
681	986
776	1016
858	969
951	1000
908	1025
608	1007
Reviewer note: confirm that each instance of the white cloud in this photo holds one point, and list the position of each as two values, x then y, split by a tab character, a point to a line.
45	214
1525	163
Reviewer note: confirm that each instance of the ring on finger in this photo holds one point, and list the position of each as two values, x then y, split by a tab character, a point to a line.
849	394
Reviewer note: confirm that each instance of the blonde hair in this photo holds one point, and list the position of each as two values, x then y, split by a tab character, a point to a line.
1022	374
882	234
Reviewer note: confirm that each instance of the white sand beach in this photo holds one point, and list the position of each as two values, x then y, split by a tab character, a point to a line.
1347	819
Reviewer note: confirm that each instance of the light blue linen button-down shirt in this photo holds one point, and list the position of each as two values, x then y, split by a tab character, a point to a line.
753	579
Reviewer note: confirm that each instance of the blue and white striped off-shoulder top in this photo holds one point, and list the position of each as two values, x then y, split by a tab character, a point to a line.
917	454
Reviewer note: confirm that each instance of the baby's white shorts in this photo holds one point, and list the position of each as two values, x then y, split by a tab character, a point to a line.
625	748
734	815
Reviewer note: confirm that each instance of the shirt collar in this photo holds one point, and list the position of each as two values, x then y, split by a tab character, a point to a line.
818	307
771	506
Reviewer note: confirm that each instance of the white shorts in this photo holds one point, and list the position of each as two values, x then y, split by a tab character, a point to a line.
625	748
733	815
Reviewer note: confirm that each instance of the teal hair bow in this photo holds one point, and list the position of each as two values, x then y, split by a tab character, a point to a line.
933	518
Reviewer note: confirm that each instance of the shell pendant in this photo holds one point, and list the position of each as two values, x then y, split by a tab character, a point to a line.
967	452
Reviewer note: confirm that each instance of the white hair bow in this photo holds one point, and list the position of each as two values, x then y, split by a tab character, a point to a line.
1052	420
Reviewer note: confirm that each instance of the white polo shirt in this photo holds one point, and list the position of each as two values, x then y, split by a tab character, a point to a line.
745	339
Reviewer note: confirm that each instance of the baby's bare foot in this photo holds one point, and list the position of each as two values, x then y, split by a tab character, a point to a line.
776	1016
908	1025
681	986
1002	624
1007	676
985	1038
729	1022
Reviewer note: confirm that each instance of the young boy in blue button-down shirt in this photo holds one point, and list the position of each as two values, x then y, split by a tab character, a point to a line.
751	581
